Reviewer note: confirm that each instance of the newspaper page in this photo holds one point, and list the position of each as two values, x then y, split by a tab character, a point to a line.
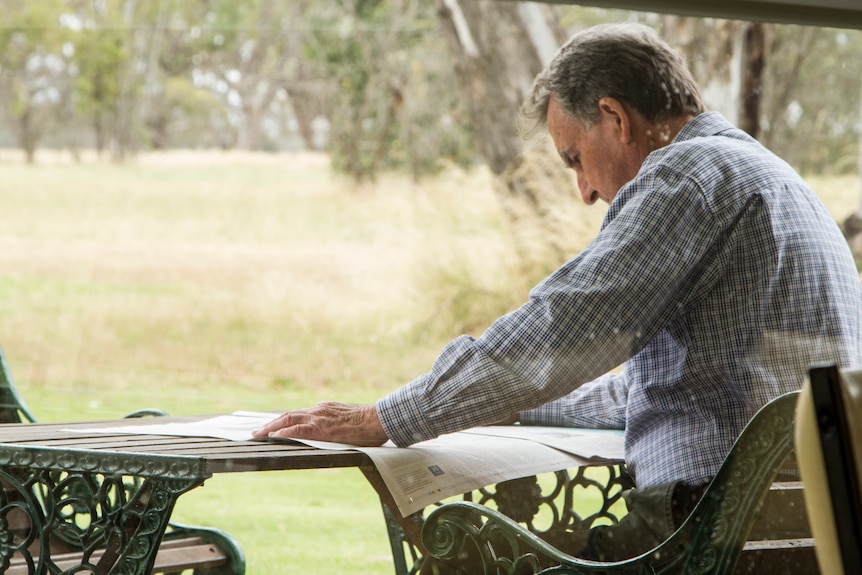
453	464
597	445
426	472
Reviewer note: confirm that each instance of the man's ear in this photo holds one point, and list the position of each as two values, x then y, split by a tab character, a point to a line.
616	112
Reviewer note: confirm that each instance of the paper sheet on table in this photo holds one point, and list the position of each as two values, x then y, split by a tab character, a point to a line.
596	445
429	471
236	426
449	465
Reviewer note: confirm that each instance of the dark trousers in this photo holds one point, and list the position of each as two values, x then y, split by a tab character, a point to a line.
654	513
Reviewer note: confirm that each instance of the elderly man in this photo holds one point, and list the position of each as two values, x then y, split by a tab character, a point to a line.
716	279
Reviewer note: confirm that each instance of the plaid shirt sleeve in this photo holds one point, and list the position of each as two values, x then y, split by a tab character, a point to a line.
598	404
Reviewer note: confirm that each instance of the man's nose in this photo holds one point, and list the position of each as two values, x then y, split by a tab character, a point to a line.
588	193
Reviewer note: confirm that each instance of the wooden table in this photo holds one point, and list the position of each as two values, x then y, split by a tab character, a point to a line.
117	491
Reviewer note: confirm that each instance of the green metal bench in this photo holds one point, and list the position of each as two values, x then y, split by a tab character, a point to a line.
751	518
200	550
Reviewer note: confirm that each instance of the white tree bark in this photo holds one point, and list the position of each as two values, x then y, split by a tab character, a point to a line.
499	47
541	34
462	29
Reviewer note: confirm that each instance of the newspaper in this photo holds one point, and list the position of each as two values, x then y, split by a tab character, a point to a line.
426	472
594	444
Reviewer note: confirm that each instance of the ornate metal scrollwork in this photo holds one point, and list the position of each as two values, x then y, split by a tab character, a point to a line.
110	523
708	542
550	505
553	505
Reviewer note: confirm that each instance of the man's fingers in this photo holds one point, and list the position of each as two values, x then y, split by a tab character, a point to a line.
286	419
299	431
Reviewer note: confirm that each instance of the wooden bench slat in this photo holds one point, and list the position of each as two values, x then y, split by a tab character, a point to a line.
174	555
782	515
778	557
193	557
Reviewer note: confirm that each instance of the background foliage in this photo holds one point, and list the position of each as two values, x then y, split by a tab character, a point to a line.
369	81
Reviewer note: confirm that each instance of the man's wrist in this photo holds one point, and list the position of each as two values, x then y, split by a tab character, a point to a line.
402	418
373	426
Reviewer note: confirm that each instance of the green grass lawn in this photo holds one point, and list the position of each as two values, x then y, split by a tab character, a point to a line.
205	283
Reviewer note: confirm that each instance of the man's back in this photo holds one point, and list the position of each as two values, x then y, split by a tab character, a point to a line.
760	285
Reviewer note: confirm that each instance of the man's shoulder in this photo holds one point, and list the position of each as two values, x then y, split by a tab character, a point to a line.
713	154
710	132
715	166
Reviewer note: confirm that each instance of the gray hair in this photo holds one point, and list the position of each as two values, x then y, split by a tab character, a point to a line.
628	62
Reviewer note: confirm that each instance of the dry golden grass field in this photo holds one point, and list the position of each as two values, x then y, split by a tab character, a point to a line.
207	282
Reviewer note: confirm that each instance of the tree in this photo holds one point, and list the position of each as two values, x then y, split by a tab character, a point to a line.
808	82
33	69
372	50
102	59
188	116
499	47
183	104
243	56
310	90
116	47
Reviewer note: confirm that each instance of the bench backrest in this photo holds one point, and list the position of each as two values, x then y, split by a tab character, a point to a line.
12	407
710	541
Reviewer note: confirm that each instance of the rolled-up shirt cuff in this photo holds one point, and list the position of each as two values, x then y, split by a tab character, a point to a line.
402	418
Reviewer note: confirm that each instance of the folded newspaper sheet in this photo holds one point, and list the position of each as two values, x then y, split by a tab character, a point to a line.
429	471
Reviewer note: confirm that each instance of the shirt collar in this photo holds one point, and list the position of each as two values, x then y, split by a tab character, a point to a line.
703	125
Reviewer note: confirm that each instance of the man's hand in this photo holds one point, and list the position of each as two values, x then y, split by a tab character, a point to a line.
329	421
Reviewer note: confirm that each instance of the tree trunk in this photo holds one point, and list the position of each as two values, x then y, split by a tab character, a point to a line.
125	118
27	135
499	47
714	52
752	80
852	226
310	97
250	135
310	103
151	114
497	62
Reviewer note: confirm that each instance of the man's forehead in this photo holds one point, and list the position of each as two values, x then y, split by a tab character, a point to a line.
556	111
562	126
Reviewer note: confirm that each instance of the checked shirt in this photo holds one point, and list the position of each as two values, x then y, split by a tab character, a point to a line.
716	279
